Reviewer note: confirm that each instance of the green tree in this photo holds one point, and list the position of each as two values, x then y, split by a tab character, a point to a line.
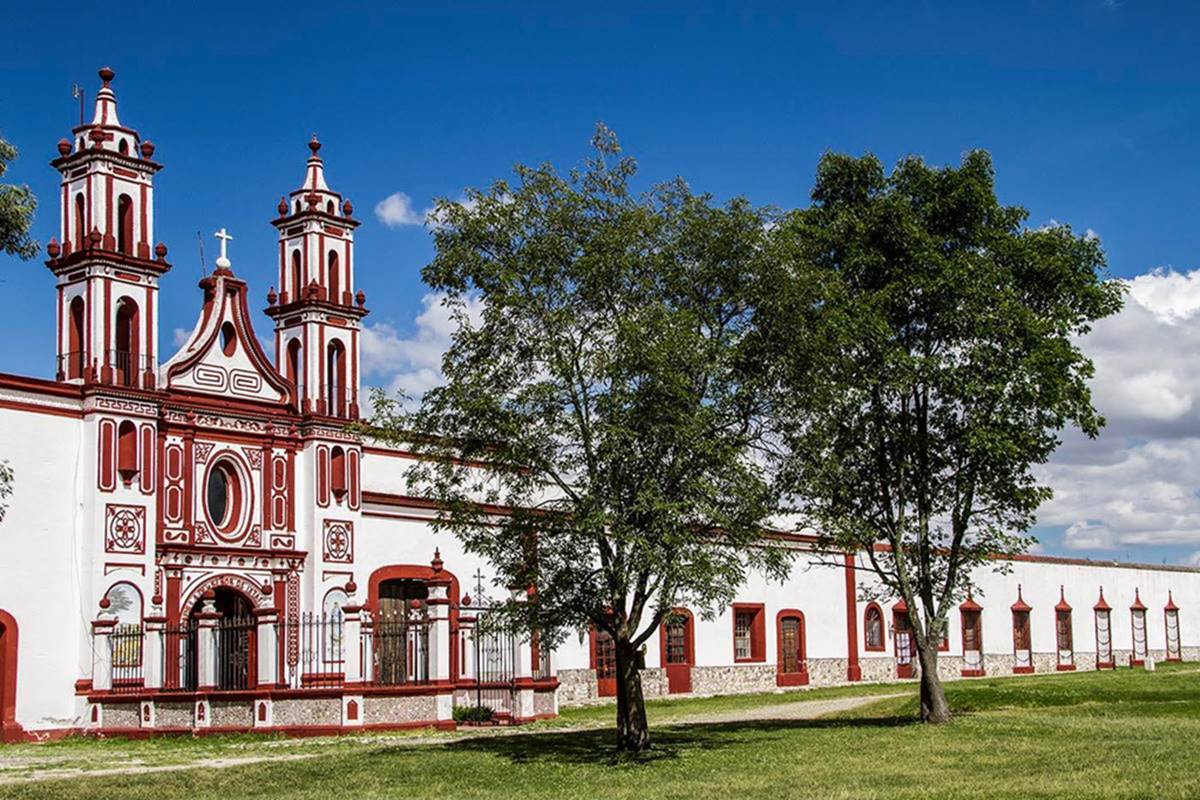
609	395
17	205
952	363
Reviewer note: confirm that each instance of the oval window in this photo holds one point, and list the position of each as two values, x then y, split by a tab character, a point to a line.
218	495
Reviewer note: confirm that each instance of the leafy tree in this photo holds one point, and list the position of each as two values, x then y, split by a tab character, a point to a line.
17	205
609	396
6	479
952	364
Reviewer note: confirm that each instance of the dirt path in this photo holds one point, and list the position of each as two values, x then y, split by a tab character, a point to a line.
54	767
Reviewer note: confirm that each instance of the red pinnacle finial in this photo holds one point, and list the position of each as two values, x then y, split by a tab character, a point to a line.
314	144
106	75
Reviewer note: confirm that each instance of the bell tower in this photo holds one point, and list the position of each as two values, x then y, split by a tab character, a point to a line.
318	315
107	275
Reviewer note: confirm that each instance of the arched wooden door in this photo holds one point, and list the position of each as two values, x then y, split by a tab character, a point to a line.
678	648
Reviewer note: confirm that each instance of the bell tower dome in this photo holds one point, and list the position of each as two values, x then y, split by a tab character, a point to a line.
318	315
107	273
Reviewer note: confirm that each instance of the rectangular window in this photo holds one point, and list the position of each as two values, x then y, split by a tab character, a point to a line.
749	632
741	635
1064	640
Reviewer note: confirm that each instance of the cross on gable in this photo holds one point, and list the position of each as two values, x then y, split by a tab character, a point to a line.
225	240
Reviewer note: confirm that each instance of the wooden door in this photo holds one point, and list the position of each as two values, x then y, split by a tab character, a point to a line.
606	664
678	653
905	646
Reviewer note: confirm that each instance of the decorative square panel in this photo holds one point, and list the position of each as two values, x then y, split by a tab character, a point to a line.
339	541
124	529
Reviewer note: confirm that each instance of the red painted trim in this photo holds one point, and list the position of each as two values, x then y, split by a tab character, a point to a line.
853	670
106	454
758	632
10	730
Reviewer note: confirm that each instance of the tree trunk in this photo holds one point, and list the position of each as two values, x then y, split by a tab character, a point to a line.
633	734
934	708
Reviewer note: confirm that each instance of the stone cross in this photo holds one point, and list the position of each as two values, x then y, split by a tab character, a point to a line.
225	240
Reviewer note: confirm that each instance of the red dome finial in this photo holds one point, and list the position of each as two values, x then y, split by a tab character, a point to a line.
106	75
314	144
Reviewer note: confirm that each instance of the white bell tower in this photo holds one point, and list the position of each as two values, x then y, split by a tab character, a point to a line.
107	273
318	315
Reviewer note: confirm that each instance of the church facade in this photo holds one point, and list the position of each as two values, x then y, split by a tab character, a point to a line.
201	542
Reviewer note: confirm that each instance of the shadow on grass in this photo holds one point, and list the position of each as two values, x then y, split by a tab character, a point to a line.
597	746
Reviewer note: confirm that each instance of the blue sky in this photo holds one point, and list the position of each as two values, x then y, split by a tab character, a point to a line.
1090	109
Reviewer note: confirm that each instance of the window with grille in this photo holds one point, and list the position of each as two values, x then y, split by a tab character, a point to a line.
743	620
1172	622
1104	653
677	641
1063	638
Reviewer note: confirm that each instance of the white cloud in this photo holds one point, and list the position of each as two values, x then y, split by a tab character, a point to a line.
397	210
413	364
180	336
1139	482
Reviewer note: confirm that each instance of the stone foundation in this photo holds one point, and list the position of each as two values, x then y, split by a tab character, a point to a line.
399	709
739	679
576	687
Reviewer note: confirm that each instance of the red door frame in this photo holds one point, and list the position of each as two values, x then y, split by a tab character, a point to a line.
432	575
800	677
10	730
679	676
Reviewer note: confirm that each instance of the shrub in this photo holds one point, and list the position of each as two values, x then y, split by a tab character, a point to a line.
476	714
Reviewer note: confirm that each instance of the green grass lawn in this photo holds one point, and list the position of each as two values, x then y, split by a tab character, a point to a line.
1088	735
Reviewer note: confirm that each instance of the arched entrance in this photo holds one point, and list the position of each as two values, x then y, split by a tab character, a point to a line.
397	598
9	729
235	642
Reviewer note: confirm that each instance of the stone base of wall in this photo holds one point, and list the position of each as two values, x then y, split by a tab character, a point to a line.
738	679
578	687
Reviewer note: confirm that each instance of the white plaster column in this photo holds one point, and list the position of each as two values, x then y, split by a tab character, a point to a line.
267	635
439	633
206	644
352	661
522	669
102	654
153	646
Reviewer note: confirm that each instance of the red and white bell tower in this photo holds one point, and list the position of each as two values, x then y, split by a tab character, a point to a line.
317	314
107	273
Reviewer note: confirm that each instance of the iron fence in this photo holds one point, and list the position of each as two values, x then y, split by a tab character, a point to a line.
322	650
179	657
125	652
398	651
234	653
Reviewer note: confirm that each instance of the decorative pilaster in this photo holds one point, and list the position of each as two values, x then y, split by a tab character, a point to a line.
102	654
153	646
266	621
206	644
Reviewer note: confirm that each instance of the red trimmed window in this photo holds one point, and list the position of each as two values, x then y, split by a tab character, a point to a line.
1064	640
1022	652
873	628
1171	622
749	633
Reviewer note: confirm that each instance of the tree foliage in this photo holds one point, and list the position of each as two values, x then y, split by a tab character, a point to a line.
17	205
952	364
610	395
